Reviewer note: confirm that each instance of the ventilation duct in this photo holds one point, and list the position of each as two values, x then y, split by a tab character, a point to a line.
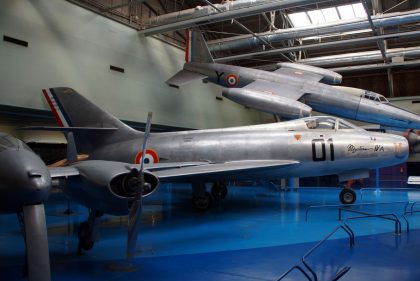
201	11
247	41
361	57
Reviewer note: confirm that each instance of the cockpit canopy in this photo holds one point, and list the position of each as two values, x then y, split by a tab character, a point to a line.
374	96
9	142
328	123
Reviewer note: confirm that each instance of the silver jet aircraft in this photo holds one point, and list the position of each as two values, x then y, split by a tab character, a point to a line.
305	147
292	91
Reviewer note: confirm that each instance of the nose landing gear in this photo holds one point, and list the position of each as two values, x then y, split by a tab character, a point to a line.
347	196
88	231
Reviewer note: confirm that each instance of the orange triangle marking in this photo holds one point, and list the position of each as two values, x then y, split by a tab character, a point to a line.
297	137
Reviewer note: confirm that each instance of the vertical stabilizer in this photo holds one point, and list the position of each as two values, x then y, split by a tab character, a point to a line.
72	111
197	50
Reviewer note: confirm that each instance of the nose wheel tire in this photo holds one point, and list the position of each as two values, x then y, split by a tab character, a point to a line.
85	237
347	196
219	191
202	203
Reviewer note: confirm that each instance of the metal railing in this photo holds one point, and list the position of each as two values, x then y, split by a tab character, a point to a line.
339	274
352	205
412	211
346	227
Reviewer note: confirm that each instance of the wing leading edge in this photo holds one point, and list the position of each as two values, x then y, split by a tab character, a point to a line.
246	169
197	171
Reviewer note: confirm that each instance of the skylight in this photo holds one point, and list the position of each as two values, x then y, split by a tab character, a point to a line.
300	19
333	14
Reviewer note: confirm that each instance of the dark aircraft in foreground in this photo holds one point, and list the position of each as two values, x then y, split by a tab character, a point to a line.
292	91
25	183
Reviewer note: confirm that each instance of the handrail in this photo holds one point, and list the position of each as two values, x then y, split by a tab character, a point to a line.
347	205
396	220
306	264
409	212
291	269
359	212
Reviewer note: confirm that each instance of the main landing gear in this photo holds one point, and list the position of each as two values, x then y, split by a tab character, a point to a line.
219	191
87	231
202	200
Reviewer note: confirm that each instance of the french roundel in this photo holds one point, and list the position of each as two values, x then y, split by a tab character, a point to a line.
231	80
151	157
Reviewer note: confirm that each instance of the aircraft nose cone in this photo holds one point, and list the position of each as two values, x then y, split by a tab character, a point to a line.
415	122
24	180
410	119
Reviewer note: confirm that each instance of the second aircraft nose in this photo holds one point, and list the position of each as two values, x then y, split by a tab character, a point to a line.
401	147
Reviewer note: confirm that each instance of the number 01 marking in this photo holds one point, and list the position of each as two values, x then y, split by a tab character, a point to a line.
323	156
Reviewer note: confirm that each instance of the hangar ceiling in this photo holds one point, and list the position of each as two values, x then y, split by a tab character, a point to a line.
365	38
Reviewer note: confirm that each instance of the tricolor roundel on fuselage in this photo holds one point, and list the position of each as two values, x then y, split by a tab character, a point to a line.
151	157
232	80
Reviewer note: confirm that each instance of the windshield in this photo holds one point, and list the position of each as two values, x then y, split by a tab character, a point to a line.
321	123
374	96
328	123
9	142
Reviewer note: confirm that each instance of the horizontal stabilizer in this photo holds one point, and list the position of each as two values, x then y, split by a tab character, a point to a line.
68	129
62	172
184	77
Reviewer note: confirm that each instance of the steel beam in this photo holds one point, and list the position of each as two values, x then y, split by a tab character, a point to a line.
320	46
246	41
358	68
218	17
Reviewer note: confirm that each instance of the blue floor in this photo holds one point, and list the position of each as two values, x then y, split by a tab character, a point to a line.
257	233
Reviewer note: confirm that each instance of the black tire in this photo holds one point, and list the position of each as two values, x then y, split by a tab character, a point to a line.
219	191
347	196
85	235
202	203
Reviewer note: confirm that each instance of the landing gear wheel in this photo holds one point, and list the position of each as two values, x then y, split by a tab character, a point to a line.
347	196
202	203
219	191
85	237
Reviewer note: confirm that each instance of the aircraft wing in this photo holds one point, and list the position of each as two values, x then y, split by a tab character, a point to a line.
306	75
284	90
187	171
225	170
184	77
70	129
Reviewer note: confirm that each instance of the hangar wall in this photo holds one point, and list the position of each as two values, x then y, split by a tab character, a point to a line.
405	82
71	46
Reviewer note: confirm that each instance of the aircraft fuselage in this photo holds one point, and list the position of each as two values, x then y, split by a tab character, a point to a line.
319	152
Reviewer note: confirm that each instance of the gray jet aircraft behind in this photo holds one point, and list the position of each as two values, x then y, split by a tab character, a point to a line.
305	147
292	91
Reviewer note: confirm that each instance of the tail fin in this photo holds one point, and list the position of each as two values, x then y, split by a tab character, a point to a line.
73	110
196	49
